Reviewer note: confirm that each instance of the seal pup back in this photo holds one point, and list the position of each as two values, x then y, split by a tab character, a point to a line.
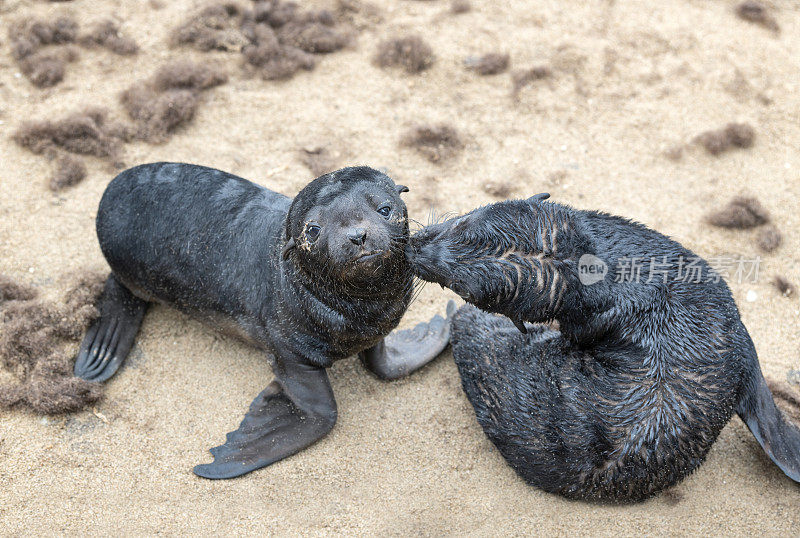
616	389
308	280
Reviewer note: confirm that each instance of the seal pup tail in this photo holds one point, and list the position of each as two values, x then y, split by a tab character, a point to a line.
776	434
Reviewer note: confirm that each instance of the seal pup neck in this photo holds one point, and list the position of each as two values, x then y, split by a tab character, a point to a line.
394	282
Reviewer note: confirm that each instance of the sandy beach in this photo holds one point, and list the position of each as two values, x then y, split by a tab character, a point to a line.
630	85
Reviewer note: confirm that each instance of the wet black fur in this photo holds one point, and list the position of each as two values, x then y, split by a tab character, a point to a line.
243	259
225	261
627	397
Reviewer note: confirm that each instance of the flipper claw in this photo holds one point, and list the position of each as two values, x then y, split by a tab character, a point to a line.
110	338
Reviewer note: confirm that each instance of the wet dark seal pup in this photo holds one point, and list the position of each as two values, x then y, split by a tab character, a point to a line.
308	280
626	398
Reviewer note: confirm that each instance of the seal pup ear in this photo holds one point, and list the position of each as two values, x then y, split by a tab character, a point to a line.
290	244
401	188
538	197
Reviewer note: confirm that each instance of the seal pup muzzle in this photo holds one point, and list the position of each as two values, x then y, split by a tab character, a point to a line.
633	359
308	280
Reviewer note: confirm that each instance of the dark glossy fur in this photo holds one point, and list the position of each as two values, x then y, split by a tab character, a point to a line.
309	281
224	263
627	397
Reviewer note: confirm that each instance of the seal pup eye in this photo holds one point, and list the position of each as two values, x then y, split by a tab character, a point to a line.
312	232
385	211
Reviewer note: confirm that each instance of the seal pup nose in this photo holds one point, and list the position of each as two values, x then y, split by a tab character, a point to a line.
357	235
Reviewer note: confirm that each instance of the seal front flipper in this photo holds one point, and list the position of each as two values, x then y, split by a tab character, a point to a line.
403	352
109	339
777	436
293	412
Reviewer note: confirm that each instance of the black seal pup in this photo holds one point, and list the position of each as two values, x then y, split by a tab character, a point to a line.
627	396
309	280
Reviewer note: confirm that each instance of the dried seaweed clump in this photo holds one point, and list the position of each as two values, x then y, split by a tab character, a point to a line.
783	285
273	60
524	77
358	14
314	32
733	135
769	239
411	53
69	171
34	346
44	68
457	7
88	132
157	106
674	152
107	34
756	12
275	36
499	189
318	159
284	40
215	27
436	142
740	213
169	99
186	75
11	290
488	64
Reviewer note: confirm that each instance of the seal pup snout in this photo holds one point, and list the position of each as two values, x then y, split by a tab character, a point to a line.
357	236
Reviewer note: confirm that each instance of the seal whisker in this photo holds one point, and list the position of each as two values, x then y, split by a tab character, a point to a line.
418	286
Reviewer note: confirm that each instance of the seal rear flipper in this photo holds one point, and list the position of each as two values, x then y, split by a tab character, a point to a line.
292	413
403	352
110	337
779	438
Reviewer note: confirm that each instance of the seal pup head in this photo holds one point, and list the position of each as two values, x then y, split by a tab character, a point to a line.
503	257
349	227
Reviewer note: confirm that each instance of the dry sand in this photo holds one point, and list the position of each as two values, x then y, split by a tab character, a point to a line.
631	79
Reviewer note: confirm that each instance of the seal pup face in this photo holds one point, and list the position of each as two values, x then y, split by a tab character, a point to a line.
501	257
349	226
